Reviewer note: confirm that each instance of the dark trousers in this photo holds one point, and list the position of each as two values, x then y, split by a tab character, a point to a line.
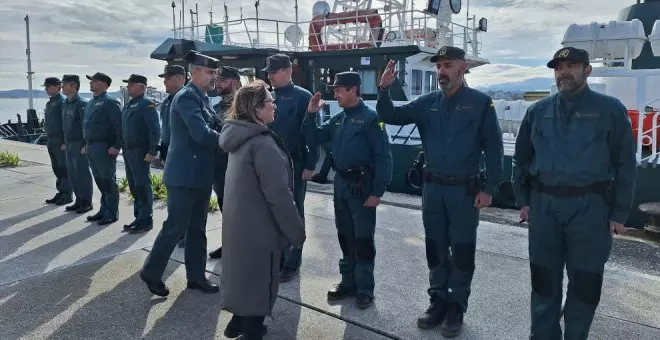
104	169
293	256
139	182
572	232
450	221
356	225
58	164
80	176
187	210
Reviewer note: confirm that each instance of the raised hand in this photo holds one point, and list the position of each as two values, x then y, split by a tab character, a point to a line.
315	104
389	75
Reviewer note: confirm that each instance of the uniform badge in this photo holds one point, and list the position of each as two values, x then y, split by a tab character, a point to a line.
563	53
382	125
443	50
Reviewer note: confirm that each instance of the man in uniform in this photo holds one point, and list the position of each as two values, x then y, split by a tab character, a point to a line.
140	140
174	77
363	159
574	176
73	114
290	112
56	148
457	124
188	178
229	81
102	133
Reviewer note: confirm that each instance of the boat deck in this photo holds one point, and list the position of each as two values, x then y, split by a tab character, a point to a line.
64	278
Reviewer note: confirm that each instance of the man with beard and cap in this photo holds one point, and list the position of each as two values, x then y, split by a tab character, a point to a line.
229	81
174	77
457	125
56	147
291	101
73	114
361	151
102	133
140	137
574	174
188	177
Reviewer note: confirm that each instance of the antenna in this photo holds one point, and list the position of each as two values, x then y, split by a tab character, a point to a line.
29	62
173	20
256	9
320	7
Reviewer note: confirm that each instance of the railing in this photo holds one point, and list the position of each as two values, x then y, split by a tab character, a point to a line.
284	35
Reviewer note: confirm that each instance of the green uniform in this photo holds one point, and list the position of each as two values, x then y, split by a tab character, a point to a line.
574	166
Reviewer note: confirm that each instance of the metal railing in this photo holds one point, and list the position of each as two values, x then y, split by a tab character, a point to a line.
289	36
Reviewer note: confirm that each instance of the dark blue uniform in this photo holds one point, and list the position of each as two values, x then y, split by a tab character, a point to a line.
188	176
55	133
222	157
570	151
140	136
102	130
363	160
165	108
73	114
292	101
455	131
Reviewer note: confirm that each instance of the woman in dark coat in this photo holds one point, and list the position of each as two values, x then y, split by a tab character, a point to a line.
259	217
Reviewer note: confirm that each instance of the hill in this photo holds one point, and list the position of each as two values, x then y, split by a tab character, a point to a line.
18	93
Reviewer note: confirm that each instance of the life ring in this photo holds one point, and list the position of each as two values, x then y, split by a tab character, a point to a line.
369	16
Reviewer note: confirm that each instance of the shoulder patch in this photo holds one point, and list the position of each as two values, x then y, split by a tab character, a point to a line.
381	125
491	104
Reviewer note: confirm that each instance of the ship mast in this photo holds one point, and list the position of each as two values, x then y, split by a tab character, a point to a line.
29	63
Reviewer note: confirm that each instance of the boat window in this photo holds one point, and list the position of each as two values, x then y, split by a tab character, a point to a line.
416	83
431	83
369	85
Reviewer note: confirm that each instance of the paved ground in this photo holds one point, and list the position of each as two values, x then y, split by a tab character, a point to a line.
64	278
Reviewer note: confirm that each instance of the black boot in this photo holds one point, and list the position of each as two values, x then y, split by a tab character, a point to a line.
234	328
54	199
216	254
73	207
96	217
84	207
453	323
64	200
434	315
339	292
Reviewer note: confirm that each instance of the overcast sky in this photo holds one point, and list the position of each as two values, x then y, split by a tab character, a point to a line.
116	37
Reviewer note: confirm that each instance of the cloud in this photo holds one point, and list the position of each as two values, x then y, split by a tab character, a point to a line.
117	37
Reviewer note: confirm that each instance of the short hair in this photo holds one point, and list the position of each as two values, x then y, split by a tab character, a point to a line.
247	100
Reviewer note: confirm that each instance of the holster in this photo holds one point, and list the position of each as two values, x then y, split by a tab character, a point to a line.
357	178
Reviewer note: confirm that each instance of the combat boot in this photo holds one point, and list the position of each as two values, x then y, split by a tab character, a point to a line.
73	207
434	315
54	199
84	207
339	292
64	200
453	323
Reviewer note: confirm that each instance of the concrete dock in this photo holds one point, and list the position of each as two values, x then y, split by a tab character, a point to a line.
62	277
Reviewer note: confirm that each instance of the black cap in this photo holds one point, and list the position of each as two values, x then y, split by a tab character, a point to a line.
229	72
100	76
448	52
171	70
277	62
136	78
52	81
196	58
346	79
570	54
73	78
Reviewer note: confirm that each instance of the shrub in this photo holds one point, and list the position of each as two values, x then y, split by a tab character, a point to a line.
9	160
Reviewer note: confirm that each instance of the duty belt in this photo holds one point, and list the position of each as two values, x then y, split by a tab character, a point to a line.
600	188
353	174
454	181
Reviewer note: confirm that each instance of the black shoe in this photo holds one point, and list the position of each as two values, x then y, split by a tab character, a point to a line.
54	199
363	301
64	200
236	325
96	217
141	227
205	286
433	316
73	207
130	225
216	254
84	207
107	220
453	323
339	292
287	274
156	287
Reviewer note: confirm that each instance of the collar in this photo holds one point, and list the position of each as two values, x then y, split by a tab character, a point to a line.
102	94
355	109
287	87
73	99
